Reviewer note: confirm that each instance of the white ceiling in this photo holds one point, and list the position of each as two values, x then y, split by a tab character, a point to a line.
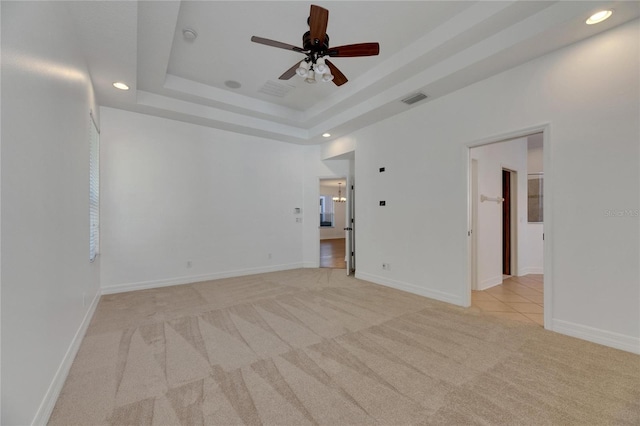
431	46
334	183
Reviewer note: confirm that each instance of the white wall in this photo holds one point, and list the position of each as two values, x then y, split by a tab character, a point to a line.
46	98
0	226
589	95
174	192
535	158
534	231
337	231
492	159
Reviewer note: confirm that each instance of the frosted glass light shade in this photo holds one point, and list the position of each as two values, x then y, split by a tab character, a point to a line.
303	69
321	66
311	78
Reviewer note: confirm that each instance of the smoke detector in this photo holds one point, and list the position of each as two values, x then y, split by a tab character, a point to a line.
189	34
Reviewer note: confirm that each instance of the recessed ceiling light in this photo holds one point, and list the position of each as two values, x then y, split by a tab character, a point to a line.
326	135
599	17
189	34
120	85
232	84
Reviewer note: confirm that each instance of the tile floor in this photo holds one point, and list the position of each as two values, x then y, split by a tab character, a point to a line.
517	298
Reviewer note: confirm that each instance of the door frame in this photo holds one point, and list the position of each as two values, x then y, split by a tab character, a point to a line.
474	195
507	243
545	129
513	217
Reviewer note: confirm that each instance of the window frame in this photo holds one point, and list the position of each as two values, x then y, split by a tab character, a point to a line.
324	200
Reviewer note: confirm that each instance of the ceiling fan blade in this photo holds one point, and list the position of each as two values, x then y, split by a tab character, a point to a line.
290	72
338	78
277	44
318	19
351	50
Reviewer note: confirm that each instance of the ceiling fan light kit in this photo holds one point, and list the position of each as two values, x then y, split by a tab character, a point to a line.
303	69
311	78
306	69
320	67
315	45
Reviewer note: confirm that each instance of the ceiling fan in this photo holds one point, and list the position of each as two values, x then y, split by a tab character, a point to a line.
315	45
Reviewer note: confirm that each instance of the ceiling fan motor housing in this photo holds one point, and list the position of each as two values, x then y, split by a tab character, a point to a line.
309	44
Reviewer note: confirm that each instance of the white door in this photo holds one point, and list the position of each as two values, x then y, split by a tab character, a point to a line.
350	249
474	224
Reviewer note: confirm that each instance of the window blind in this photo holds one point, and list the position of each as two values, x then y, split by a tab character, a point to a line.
94	189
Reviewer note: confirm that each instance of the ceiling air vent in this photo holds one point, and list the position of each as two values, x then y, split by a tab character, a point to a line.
276	89
416	97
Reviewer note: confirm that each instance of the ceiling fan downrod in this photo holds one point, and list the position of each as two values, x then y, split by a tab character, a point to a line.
315	47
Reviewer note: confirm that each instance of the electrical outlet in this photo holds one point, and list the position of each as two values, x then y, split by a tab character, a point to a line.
386	266
298	219
269	256
189	264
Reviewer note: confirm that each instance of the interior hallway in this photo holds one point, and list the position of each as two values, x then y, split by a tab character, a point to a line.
517	298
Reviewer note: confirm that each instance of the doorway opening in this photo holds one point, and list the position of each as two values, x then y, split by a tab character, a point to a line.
507	252
333	221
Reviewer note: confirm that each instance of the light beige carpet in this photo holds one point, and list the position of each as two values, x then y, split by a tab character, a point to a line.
313	346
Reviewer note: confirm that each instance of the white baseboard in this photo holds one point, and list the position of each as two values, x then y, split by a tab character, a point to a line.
489	282
531	270
596	335
52	394
143	285
315	264
412	288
